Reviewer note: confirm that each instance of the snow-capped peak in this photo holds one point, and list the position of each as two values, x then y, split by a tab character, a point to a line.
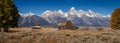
29	14
81	12
60	11
90	11
47	12
21	14
72	11
73	8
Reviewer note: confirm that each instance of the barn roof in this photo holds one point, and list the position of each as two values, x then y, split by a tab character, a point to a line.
62	23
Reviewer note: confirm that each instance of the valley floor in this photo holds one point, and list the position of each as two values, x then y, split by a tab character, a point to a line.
50	35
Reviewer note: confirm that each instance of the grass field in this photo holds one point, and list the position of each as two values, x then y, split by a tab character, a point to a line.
50	35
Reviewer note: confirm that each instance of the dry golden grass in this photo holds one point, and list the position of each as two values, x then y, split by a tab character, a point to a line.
50	35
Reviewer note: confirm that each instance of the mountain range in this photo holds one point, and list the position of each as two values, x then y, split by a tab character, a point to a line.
78	18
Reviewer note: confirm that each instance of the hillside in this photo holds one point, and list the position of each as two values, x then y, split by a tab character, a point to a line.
50	35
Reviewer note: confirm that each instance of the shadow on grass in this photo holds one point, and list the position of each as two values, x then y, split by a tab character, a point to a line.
12	31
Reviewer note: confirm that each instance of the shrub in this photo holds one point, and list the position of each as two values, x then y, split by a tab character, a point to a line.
37	24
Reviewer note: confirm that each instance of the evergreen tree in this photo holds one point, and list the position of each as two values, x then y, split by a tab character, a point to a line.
8	14
115	19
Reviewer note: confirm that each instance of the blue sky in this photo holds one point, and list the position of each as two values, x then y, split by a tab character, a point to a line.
103	7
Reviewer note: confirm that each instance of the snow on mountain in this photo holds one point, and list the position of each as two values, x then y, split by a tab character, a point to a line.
81	13
107	16
27	14
60	12
53	16
50	13
47	13
30	19
78	17
90	13
21	14
72	11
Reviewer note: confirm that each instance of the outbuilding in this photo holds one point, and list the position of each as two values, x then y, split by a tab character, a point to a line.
66	25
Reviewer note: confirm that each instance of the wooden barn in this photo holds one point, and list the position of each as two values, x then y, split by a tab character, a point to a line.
66	25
